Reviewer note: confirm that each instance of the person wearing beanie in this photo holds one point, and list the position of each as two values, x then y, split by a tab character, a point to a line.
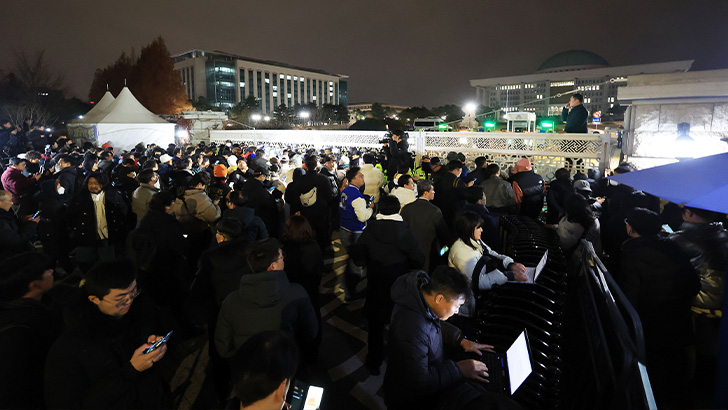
218	188
659	280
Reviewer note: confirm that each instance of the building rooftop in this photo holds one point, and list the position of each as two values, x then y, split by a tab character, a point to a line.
572	60
177	57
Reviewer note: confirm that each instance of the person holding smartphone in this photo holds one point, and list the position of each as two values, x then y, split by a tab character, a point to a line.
99	362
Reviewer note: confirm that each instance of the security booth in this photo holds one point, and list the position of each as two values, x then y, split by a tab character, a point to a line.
521	122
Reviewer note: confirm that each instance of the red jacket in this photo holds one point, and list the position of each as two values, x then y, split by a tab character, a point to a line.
16	183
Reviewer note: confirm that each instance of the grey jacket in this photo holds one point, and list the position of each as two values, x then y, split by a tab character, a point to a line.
140	200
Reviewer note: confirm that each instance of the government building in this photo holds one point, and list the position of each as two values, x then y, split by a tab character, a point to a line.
226	79
576	69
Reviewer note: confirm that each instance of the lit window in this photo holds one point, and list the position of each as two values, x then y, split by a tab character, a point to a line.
295	78
288	77
289	95
275	94
242	84
331	83
314	98
267	80
281	76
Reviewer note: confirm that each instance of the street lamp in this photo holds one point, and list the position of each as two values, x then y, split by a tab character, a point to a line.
256	117
304	116
266	118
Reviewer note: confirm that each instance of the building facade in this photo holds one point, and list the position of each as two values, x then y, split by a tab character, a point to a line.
542	93
225	79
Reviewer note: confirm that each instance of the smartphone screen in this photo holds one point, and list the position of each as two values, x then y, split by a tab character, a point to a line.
443	250
667	228
158	343
313	398
35	215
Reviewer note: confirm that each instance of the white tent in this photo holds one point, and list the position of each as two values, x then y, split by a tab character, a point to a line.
123	123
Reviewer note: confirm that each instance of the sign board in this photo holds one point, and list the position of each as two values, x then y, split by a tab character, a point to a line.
596	120
597	114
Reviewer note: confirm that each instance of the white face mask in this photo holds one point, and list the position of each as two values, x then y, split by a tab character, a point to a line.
57	167
61	190
157	184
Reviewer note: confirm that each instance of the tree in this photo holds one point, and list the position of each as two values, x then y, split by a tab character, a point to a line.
408	115
283	116
377	111
156	84
451	112
32	90
151	78
342	114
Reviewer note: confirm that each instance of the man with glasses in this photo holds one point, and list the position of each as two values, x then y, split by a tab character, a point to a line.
99	362
266	300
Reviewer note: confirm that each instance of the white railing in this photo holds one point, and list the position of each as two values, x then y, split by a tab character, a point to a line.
547	152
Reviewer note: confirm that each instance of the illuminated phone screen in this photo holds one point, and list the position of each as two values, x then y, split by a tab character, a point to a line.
313	398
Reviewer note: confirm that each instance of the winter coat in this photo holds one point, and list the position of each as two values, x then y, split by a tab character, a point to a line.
81	218
263	203
558	190
89	365
464	258
305	265
219	271
404	195
15	236
140	200
388	249
195	206
498	193
576	119
317	214
660	282
265	301
68	178
427	224
253	227
16	183
707	247
373	180
570	233
417	371
450	196
528	188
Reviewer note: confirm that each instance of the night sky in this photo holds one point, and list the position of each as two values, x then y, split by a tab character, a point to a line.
403	52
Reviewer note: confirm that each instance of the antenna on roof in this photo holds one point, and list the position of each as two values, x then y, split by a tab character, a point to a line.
107	86
125	82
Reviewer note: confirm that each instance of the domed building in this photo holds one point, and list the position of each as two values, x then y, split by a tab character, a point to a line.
543	92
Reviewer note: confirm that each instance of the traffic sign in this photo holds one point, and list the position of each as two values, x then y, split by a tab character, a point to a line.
597	114
596	120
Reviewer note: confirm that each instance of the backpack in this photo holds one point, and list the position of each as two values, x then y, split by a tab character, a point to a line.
308	199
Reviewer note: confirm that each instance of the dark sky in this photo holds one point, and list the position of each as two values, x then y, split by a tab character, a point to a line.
408	52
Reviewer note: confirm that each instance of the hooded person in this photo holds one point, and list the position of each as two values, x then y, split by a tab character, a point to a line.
388	249
528	188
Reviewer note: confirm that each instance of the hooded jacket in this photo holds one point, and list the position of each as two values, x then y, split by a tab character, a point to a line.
417	370
265	301
388	249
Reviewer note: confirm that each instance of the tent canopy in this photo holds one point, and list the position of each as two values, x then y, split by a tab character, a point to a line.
122	122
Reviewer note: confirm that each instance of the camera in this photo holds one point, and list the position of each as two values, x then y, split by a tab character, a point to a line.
388	136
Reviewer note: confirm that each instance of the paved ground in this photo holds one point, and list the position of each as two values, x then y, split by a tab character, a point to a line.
340	369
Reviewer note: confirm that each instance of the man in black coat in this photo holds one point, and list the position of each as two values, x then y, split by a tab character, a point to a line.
260	196
388	249
253	228
397	152
659	280
426	222
418	375
451	191
97	218
99	362
66	175
476	201
299	195
575	115
15	236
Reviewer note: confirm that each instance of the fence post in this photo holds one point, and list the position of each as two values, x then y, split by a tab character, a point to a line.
605	152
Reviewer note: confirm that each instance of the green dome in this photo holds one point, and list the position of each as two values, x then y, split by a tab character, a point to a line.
571	60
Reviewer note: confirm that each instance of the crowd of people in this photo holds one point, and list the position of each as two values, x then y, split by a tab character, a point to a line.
232	241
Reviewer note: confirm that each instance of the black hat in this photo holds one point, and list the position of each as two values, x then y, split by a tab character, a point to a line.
435	161
644	221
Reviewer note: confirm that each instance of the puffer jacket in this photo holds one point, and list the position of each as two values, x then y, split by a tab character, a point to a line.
196	204
464	258
707	247
417	371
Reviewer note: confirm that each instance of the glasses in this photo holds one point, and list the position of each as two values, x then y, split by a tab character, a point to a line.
127	299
